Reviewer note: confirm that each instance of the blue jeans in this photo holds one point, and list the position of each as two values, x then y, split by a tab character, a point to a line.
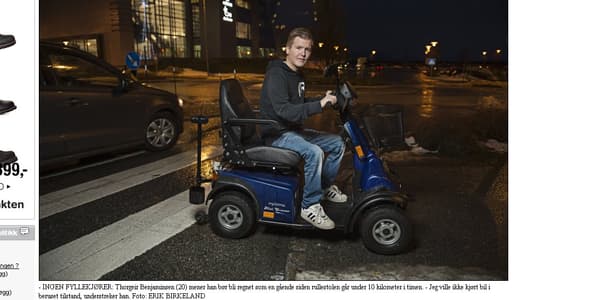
311	145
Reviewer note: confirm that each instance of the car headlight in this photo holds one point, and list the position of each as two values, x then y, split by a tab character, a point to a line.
180	101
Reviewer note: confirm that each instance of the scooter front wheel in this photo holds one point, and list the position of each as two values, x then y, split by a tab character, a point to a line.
231	216
385	230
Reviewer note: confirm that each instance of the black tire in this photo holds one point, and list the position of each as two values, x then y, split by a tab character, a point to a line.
231	216
161	132
385	230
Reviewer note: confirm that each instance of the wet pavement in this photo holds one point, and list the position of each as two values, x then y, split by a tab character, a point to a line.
459	211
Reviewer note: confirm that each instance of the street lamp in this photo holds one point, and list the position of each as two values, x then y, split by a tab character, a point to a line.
498	51
321	44
434	43
373	52
336	47
484	54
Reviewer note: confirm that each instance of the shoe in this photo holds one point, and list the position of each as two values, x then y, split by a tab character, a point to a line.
317	217
7	157
334	194
6	106
6	41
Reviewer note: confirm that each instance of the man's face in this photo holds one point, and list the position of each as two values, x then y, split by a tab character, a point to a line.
298	53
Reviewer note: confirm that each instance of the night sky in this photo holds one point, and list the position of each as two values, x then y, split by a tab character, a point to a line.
399	30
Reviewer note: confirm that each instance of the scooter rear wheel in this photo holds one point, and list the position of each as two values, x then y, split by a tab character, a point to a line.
231	215
385	230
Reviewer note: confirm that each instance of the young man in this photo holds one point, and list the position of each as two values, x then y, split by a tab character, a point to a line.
282	99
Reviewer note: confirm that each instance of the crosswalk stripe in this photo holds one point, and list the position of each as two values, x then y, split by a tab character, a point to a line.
93	255
58	201
73	170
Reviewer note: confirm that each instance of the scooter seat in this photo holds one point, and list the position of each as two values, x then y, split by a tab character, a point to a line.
265	155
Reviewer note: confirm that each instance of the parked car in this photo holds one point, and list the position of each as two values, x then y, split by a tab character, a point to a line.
88	107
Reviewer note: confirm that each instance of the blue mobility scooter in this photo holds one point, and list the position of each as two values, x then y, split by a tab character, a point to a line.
258	183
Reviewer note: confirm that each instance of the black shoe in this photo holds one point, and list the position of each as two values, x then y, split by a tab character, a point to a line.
6	41
6	106
7	157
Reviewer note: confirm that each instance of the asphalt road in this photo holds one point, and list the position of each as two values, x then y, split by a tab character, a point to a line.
459	208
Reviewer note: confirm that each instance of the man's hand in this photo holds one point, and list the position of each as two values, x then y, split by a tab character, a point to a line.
329	98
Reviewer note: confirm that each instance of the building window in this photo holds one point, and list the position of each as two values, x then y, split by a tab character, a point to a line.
159	28
242	3
196	22
266	52
244	52
197	51
242	30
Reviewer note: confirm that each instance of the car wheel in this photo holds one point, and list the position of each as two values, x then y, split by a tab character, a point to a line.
385	230
231	216
161	132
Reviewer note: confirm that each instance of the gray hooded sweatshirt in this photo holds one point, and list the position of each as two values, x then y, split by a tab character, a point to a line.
282	99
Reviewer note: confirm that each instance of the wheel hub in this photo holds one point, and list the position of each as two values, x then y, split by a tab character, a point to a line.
160	132
230	217
386	232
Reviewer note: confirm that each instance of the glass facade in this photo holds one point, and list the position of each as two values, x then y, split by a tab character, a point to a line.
242	30
197	51
244	52
242	4
197	27
160	28
266	52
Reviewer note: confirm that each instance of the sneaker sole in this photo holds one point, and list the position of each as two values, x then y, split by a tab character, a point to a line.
333	201
311	223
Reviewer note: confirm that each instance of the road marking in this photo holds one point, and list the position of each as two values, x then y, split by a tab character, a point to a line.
61	200
96	254
104	162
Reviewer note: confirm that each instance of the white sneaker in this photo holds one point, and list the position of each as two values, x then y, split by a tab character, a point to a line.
334	194
317	217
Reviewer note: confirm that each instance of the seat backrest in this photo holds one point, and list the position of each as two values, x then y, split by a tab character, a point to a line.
234	105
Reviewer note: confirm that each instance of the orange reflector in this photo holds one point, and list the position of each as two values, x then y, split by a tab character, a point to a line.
359	151
269	214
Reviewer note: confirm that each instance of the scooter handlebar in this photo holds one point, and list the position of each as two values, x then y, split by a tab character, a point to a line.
199	119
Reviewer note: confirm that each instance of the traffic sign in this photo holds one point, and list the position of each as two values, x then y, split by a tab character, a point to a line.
132	60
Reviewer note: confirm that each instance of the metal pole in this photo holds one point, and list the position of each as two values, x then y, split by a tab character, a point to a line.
199	178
